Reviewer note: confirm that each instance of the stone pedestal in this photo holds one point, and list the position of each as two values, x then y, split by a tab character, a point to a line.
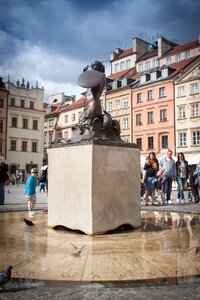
94	187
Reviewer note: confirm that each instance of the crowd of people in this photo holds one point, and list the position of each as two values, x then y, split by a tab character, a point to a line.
160	176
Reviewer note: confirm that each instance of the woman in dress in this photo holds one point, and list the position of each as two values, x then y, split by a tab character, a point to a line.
151	168
182	170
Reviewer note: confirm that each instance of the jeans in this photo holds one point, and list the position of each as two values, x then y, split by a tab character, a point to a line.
1	193
168	184
181	183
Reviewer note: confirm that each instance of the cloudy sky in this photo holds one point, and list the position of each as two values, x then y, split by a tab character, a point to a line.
52	40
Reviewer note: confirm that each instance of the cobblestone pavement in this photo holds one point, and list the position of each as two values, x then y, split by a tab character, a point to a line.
188	288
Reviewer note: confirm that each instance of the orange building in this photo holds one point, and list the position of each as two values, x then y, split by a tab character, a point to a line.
3	117
154	108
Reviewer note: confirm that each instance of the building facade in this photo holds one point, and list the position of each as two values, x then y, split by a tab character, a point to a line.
3	117
25	127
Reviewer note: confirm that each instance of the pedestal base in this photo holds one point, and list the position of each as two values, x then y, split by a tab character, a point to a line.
93	187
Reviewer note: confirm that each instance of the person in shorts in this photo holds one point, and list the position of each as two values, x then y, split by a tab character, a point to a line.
30	191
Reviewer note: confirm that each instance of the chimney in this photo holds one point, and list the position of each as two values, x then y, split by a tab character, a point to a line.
163	46
140	47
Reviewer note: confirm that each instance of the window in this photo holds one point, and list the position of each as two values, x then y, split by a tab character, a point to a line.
125	102
150	95
187	54
45	138
124	82
128	64
181	112
140	67
126	123
181	91
194	88
143	78
1	125
66	135
195	110
153	76
73	117
114	85
118	104
1	103
147	65
24	146
12	101
150	117
168	61
150	142
14	122
109	105
101	101
164	142
139	143
138	119
182	139
122	65
177	58
50	136
35	124
32	104
155	63
162	92
163	115
22	103
50	122
116	68
13	145
139	97
45	123
25	123
66	118
34	146
196	138
164	72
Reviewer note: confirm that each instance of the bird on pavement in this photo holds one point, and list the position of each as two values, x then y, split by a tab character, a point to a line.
5	276
28	222
78	250
8	192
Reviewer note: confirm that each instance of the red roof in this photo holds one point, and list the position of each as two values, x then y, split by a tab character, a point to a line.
150	54
183	47
79	102
124	53
118	74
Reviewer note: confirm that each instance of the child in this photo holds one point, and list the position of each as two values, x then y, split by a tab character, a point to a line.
30	191
160	186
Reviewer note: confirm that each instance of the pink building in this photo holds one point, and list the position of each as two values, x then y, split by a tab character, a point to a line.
153	109
3	117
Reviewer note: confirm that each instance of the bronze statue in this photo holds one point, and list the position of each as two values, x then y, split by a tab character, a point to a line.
93	124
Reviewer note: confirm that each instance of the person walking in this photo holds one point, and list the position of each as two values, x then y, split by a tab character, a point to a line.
151	168
168	166
30	191
3	178
196	174
182	171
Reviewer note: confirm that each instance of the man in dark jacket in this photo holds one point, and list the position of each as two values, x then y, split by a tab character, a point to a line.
3	178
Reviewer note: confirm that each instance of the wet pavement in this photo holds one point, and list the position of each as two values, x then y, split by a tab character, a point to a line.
159	260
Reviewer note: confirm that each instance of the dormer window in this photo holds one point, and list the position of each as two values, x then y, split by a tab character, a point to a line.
148	65
187	54
153	76
165	72
144	78
124	81
114	85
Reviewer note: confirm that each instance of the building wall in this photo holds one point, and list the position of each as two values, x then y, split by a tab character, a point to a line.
19	158
188	112
121	112
3	118
157	129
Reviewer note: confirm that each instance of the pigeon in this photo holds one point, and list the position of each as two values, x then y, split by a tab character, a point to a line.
5	276
8	192
28	222
78	250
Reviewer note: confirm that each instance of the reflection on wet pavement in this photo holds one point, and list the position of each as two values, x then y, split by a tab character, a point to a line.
166	246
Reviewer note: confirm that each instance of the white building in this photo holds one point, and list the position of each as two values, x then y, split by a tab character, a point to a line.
25	127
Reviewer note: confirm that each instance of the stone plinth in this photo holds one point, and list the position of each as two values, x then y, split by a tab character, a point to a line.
94	187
